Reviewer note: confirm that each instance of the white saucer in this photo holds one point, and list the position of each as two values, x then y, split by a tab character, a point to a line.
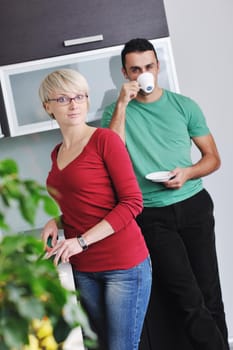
159	176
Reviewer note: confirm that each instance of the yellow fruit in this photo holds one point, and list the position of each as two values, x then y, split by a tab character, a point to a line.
33	343
36	323
42	328
49	343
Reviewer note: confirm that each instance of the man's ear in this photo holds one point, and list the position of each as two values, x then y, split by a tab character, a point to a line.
124	73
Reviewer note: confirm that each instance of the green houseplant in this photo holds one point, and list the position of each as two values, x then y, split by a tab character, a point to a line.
36	312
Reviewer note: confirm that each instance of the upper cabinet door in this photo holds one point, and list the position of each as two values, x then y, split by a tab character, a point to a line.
39	29
20	82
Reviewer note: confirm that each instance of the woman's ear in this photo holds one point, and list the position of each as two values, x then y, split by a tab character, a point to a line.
47	109
46	106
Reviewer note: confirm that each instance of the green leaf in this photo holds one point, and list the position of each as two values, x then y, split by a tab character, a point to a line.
15	293
13	189
28	208
61	330
27	193
3	224
20	243
7	167
5	197
50	206
31	307
15	332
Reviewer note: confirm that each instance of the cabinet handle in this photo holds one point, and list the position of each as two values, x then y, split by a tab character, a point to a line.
87	39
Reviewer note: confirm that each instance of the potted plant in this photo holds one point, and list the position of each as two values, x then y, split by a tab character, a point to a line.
36	311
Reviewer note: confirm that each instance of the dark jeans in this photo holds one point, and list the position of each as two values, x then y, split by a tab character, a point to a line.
181	241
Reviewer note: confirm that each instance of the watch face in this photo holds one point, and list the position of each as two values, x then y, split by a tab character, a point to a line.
82	243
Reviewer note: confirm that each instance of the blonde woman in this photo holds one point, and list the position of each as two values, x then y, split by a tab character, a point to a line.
94	184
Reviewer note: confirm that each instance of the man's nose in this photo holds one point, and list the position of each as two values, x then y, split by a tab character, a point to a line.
144	70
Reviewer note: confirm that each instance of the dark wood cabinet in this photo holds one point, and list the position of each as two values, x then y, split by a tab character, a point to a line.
34	29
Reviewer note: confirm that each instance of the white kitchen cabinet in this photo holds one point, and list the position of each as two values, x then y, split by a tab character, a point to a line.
102	69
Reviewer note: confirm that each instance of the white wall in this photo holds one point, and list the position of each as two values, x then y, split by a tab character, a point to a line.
201	35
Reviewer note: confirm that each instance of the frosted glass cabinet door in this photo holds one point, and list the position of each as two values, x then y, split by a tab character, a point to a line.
102	69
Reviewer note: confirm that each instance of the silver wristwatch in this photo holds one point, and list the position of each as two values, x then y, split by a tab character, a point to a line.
82	243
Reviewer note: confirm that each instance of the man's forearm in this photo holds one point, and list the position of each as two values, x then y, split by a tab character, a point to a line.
117	123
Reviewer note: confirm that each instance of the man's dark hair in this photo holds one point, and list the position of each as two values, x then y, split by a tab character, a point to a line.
137	45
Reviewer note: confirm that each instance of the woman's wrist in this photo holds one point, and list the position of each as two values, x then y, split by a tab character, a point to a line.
82	243
58	220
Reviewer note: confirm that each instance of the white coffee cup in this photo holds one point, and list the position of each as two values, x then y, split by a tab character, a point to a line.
146	82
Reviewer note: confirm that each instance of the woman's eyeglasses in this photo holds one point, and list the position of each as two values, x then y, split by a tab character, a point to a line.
66	100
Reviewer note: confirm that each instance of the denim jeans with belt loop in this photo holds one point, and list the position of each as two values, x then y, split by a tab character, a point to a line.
116	302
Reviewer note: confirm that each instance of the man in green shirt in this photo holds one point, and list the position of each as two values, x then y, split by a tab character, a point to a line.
159	129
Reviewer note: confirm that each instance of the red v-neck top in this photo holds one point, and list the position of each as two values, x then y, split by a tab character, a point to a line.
100	183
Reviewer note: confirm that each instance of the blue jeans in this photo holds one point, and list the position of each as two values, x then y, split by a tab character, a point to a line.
116	303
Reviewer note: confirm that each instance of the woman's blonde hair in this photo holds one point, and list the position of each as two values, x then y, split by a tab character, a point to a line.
65	80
